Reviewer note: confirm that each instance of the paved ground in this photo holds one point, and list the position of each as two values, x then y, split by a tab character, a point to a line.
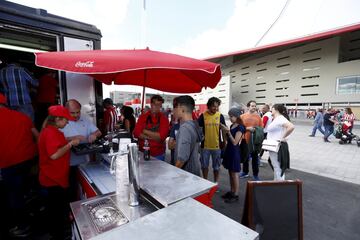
331	192
331	207
331	160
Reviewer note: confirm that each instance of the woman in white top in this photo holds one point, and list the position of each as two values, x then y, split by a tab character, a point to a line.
279	129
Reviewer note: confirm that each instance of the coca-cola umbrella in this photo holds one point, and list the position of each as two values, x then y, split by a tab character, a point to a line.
158	70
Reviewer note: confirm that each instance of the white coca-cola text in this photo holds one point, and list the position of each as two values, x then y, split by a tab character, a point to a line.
87	64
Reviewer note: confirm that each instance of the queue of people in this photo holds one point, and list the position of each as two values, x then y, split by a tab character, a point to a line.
197	143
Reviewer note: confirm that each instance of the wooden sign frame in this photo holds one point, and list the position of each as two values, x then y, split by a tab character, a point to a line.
248	213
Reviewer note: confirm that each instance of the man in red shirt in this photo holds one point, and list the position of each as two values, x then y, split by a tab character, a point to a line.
17	147
154	126
110	116
45	97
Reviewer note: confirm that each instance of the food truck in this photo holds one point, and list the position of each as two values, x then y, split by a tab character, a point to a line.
122	196
25	30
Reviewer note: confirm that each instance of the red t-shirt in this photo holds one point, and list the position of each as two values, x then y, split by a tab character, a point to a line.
53	172
46	92
16	139
158	123
110	119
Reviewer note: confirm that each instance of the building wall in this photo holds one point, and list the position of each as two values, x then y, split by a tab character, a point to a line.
304	76
221	91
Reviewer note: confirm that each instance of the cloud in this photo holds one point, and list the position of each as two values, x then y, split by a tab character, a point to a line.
252	18
249	21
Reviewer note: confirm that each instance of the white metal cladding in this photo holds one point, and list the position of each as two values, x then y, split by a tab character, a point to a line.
221	91
303	74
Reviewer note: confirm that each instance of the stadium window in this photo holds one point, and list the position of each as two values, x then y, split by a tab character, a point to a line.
310	86
261	83
312	59
283	80
348	85
308	94
308	77
311	51
283	65
245	92
280	58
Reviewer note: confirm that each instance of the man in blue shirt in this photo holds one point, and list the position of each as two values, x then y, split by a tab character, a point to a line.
86	132
15	82
318	122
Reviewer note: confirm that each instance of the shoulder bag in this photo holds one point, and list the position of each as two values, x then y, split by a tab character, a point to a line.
271	145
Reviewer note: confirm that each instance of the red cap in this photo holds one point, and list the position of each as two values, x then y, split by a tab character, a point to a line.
60	111
2	99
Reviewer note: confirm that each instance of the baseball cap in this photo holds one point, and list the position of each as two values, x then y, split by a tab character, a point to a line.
60	111
2	99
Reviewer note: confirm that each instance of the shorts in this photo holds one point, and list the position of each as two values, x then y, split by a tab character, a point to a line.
215	156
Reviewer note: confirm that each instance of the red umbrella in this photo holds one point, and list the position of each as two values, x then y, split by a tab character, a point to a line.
162	71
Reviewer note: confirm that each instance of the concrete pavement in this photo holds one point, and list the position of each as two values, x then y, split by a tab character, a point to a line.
331	185
332	160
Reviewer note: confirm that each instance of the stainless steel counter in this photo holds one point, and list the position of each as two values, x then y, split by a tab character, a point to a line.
187	219
162	181
87	228
108	216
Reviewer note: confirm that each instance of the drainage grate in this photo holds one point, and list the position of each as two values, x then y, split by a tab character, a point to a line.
105	215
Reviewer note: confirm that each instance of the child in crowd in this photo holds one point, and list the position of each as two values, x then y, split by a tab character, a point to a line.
54	164
232	153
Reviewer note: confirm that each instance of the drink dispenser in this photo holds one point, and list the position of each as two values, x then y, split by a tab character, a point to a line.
134	187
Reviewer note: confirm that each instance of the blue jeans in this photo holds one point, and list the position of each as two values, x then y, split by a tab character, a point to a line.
317	126
160	157
14	182
329	129
215	156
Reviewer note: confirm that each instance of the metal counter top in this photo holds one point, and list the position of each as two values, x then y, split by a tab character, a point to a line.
162	181
169	184
187	219
85	226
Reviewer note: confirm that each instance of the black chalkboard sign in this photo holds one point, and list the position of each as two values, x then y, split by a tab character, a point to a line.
274	209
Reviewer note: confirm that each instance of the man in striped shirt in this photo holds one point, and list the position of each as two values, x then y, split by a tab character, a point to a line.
110	116
15	82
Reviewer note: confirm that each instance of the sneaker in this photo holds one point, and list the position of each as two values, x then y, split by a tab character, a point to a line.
227	195
311	135
233	198
256	178
325	140
21	232
243	175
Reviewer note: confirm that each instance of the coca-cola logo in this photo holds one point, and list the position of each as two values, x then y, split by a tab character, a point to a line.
87	64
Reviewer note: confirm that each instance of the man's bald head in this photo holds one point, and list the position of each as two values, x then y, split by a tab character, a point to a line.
74	108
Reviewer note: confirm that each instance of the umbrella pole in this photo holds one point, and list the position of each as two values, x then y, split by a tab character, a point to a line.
143	93
142	100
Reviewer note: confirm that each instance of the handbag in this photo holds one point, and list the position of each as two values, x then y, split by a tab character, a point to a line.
271	145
